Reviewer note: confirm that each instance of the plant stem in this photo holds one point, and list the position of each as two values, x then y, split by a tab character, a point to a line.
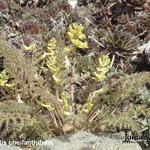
73	87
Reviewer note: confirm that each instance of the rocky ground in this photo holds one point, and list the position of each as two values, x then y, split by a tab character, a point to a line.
84	141
88	141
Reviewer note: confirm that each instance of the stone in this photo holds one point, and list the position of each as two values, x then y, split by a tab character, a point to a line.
8	147
83	140
141	58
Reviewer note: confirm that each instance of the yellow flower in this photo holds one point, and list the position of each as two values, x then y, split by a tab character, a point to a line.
4	80
79	44
102	69
32	47
89	104
76	36
71	35
82	37
52	45
64	100
44	104
104	61
68	49
51	64
99	77
57	80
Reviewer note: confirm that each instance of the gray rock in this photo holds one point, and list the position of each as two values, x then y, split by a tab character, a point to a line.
7	147
143	54
87	141
147	52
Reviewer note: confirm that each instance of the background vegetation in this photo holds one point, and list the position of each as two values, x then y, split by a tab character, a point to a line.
64	70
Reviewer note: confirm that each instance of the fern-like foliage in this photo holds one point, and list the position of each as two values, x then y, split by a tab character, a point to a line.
29	84
35	129
15	121
15	64
123	106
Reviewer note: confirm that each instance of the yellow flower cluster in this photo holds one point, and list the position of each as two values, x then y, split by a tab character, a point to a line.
102	69
52	46
65	96
76	36
52	63
99	75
